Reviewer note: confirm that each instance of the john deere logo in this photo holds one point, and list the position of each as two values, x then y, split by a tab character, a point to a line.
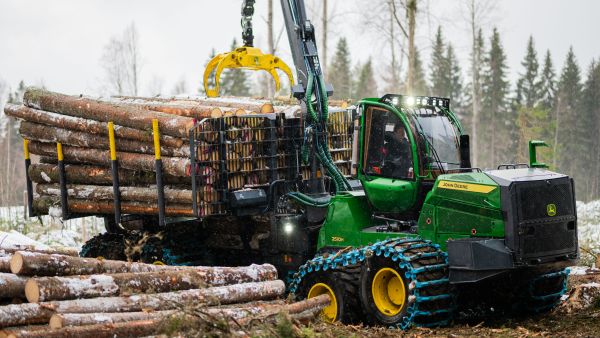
551	209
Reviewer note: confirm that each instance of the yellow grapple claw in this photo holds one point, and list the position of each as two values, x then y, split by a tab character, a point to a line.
246	58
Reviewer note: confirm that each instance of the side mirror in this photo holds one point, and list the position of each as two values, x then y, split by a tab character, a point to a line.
465	153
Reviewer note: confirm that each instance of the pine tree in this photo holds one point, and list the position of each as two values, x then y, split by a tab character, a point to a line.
528	86
340	74
366	85
439	68
547	85
233	81
568	129
496	119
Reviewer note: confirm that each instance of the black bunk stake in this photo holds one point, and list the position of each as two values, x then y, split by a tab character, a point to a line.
28	179
62	180
115	173
193	169
159	174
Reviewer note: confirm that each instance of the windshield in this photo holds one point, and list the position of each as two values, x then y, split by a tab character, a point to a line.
440	136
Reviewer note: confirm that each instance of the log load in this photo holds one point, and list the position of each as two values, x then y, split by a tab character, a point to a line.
173	166
31	263
85	125
94	175
231	313
48	134
12	286
43	289
99	193
104	112
44	205
35	313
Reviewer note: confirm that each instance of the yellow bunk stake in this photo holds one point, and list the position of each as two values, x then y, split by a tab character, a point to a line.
250	58
28	179
159	173
114	168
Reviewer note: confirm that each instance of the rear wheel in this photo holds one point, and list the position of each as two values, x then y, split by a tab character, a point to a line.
384	292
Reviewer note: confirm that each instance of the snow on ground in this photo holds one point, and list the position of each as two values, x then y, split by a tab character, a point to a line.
588	225
49	230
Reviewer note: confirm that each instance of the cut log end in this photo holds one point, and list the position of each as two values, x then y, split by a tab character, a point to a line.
32	291
16	263
56	321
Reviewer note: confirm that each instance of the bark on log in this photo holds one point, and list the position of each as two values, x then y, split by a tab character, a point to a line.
43	289
5	263
100	111
48	134
174	166
249	104
59	250
85	125
12	286
236	312
99	193
31	263
34	313
86	174
44	205
139	328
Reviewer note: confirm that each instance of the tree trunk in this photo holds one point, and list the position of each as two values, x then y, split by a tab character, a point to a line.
100	111
235	312
12	286
48	134
57	250
259	106
63	288
31	263
324	27
138	328
98	193
85	125
411	12
173	166
44	205
34	313
84	174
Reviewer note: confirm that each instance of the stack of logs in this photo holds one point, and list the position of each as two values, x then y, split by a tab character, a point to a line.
79	123
68	296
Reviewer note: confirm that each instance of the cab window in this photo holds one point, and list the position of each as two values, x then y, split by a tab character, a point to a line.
387	151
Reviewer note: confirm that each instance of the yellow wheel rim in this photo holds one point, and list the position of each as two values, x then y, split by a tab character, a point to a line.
389	292
330	312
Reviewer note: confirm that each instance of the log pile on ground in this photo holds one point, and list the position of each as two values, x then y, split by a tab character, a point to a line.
69	296
79	123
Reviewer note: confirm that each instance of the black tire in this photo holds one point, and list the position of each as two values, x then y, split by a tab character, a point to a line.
344	284
106	245
373	315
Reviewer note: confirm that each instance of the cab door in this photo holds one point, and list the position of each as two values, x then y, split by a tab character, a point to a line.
387	163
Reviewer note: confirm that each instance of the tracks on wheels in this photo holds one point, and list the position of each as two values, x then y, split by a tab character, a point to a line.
418	268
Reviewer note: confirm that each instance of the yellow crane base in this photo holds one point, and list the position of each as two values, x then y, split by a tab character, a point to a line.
246	58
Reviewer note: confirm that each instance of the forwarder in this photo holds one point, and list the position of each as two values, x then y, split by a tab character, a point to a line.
415	237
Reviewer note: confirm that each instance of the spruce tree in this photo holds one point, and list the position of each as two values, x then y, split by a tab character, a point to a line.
420	84
455	90
366	85
234	81
547	84
528	85
496	119
568	129
339	72
439	67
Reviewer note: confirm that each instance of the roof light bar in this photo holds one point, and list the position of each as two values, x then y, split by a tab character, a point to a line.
415	101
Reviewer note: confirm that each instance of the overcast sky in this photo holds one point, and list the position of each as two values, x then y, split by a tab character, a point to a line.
58	43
